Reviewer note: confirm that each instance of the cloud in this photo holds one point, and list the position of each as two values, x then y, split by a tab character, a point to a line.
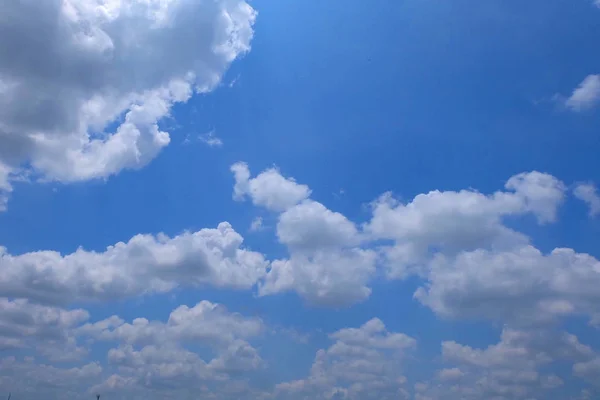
154	355
49	330
256	225
145	264
362	363
588	193
586	95
148	357
450	222
210	139
69	69
269	189
29	379
327	278
326	265
517	367
522	286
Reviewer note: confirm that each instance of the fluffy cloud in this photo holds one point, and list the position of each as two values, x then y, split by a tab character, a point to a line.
69	69
49	330
326	265
154	354
269	189
328	278
522	286
511	369
586	95
588	193
362	363
450	222
199	349
205	322
145	264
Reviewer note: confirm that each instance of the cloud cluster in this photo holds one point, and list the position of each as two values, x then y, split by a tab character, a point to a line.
327	265
145	264
84	83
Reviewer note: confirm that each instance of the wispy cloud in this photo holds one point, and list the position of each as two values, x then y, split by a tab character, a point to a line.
210	139
586	95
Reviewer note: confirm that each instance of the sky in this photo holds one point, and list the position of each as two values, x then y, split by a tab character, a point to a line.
300	199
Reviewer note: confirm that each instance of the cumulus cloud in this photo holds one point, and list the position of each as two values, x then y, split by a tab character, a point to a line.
450	222
326	265
514	368
588	193
522	286
586	95
69	69
362	363
155	355
145	264
269	189
48	330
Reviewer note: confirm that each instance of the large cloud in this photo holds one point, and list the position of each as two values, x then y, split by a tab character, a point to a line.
69	68
199	349
145	264
450	222
522	286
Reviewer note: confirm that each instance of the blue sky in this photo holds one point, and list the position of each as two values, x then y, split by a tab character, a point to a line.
300	115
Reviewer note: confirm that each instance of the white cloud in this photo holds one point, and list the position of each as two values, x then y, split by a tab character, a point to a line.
145	264
210	139
269	189
362	363
522	286
586	95
451	222
326	265
48	330
515	368
154	354
588	193
70	68
309	226
206	322
329	278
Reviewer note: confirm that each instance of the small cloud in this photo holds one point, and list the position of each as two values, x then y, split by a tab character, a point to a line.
237	78
588	193
586	95
210	139
257	224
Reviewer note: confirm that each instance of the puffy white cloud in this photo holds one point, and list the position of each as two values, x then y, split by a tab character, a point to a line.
514	368
145	264
71	68
588	193
156	355
362	363
450	222
48	330
326	265
521	286
310	226
205	322
269	189
586	95
329	278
